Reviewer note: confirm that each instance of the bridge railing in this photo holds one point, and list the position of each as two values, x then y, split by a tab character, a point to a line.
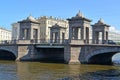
40	41
33	41
108	42
8	41
58	41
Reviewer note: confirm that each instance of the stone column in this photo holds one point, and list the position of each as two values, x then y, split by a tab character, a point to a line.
83	33
97	37
51	36
79	33
87	35
84	38
31	35
103	37
24	33
56	37
70	33
93	37
75	33
106	36
59	37
39	35
63	37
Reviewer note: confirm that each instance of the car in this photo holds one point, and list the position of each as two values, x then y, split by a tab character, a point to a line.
111	42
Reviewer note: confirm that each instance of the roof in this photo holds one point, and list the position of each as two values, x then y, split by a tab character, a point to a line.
57	26
79	16
101	23
29	19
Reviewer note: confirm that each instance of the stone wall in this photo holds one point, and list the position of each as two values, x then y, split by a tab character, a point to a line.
26	52
71	54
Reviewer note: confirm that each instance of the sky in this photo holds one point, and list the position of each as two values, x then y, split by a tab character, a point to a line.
12	11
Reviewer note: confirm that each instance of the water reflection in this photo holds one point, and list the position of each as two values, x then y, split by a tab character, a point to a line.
111	74
46	71
51	71
40	71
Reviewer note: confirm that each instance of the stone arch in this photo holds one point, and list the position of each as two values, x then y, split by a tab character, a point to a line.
9	52
102	52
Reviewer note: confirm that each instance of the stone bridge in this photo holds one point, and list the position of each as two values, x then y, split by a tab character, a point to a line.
74	47
90	54
98	54
15	51
32	52
69	53
8	52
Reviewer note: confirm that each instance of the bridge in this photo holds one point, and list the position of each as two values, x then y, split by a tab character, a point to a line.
91	53
79	48
23	50
57	52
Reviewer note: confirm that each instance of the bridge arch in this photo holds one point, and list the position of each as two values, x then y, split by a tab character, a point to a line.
6	54
102	56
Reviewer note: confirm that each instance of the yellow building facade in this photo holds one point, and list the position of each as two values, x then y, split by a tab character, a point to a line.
5	34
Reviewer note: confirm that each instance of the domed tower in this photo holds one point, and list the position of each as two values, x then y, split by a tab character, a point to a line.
97	28
79	28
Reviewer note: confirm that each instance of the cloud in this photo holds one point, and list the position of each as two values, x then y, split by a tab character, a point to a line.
113	29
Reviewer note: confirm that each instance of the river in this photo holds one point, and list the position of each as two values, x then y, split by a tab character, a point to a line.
11	70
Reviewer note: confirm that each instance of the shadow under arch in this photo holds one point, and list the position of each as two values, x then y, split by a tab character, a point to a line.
7	55
51	55
102	58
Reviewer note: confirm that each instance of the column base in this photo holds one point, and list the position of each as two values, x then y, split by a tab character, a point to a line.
18	59
74	62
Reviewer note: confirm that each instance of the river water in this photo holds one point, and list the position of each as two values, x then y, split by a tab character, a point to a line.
11	70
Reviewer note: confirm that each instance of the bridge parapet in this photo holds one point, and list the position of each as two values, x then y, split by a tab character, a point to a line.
77	42
66	41
24	42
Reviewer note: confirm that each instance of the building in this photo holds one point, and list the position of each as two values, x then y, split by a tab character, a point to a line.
39	28
79	28
15	31
29	29
46	29
114	36
47	22
5	34
100	28
57	34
